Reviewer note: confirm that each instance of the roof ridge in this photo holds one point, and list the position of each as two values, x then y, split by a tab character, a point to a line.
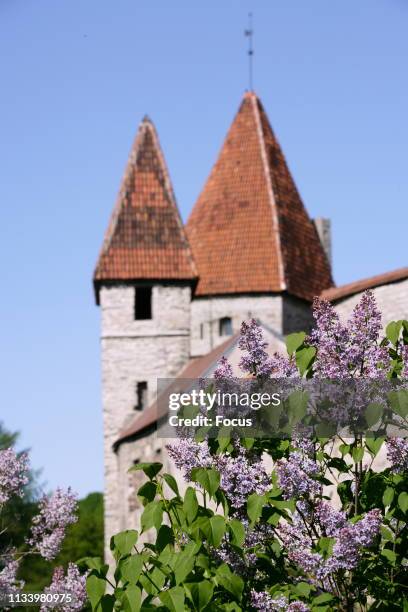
274	211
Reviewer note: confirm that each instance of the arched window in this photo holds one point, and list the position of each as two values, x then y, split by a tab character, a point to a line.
225	326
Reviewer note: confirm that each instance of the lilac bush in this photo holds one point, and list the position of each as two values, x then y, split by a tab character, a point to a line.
320	530
55	513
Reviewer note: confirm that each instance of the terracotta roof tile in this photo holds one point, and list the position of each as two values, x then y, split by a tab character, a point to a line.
145	238
337	293
249	231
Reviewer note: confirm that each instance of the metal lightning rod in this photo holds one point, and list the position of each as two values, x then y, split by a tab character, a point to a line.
249	33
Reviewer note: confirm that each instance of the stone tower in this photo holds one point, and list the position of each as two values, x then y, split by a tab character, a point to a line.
257	251
172	298
143	282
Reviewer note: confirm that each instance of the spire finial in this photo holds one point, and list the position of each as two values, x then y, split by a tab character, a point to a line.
249	33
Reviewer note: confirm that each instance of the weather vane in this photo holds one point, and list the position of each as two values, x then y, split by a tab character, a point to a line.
249	33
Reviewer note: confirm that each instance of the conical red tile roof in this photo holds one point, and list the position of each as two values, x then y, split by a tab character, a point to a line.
145	238
249	231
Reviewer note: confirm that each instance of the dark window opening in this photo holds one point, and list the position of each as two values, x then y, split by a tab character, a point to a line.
201	330
143	303
225	326
141	395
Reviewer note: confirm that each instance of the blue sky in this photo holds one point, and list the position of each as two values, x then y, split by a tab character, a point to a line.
76	78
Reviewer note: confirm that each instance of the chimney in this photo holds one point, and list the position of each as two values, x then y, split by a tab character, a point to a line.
323	228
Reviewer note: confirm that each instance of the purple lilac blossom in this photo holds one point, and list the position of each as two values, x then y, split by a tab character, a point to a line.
13	474
264	602
295	475
56	513
73	583
349	539
330	338
283	367
397	454
188	454
240	477
404	357
8	577
223	369
255	360
365	356
352	350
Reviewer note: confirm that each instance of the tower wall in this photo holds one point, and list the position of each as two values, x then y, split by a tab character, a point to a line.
207	312
136	351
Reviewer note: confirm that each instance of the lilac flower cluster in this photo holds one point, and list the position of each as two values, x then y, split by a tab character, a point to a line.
73	584
188	454
223	369
13	474
8	577
347	351
365	354
265	603
241	476
397	454
296	475
56	513
255	360
404	357
349	538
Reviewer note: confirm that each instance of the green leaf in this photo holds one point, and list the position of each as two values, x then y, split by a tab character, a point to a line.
190	504
183	566
214	529
344	449
388	496
231	582
399	402
358	453
294	341
323	598
374	445
171	482
200	593
107	603
95	563
95	587
373	413
403	501
150	469
389	555
303	589
305	358
209	479
173	599
237	532
131	568
148	491
131	599
165	537
255	503
392	331
122	543
297	406
152	516
224	438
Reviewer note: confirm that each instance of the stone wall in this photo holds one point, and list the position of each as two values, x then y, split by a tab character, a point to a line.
392	300
136	351
207	312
